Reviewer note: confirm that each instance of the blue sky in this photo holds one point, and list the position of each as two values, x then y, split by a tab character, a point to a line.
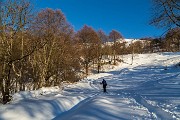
129	17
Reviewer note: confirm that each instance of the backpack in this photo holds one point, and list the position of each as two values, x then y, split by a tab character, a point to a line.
104	83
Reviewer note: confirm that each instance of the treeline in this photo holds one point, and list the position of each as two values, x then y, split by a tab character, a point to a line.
170	42
42	50
35	50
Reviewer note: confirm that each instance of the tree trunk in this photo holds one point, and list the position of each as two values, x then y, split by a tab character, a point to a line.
114	55
86	67
6	88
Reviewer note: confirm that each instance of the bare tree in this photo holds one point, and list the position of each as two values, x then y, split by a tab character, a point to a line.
102	36
114	36
14	19
172	40
90	46
166	13
138	47
53	29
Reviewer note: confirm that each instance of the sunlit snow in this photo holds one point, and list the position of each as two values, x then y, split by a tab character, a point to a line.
147	89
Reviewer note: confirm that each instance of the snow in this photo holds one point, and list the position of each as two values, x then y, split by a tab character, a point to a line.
147	89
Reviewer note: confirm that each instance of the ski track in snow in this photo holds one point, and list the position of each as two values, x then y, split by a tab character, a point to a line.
160	113
143	91
131	92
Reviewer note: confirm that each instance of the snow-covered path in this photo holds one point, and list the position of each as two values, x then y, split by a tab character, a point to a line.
144	90
131	93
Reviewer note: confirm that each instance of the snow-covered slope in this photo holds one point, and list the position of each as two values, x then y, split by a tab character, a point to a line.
148	89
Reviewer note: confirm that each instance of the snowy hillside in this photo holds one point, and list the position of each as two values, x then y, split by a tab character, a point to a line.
128	41
148	89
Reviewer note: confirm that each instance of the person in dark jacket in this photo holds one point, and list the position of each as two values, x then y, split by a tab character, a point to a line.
104	85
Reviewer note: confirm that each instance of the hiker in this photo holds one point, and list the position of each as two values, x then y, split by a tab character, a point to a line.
104	85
